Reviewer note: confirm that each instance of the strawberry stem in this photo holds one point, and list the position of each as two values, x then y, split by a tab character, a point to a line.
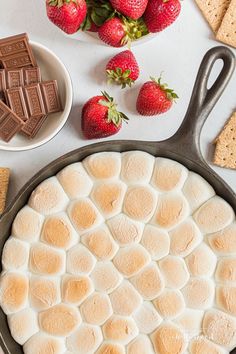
120	77
113	116
170	93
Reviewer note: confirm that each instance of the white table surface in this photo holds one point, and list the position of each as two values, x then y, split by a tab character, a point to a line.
177	51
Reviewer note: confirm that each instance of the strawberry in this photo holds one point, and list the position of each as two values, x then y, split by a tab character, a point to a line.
68	15
123	69
155	98
131	8
100	117
160	14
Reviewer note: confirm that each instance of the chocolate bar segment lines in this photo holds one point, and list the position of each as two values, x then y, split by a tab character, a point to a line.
10	123
34	100
50	96
16	101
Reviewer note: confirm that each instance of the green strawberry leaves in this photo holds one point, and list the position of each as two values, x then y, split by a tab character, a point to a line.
113	116
170	93
120	77
98	11
60	3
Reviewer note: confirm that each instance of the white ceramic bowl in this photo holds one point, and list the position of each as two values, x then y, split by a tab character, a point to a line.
52	69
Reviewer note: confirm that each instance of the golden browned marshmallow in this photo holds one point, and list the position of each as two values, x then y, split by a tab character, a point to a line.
108	196
85	340
140	345
172	208
140	202
111	348
170	303
125	299
226	298
49	197
96	309
84	215
60	320
220	328
202	261
130	260
214	215
184	238
75	181
27	225
76	289
174	271
23	325
44	293
147	318
197	190
191	322
103	165
79	260
226	270
168	339
46	260
137	167
15	254
13	292
41	343
168	175
156	242
202	345
105	277
224	241
124	230
199	293
149	282
120	329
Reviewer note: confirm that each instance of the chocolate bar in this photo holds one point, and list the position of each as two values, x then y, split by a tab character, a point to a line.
10	123
32	126
32	75
19	77
14	78
34	100
51	96
16	101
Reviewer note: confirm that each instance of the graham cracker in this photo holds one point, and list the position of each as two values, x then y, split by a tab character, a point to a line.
4	181
213	11
227	30
225	152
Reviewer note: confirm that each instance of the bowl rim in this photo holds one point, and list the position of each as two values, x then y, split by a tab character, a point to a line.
67	109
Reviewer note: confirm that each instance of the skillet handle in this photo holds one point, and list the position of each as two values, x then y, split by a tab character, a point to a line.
203	99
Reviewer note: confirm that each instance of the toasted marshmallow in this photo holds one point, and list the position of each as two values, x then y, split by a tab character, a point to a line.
226	270
197	190
224	241
44	293
100	243
60	320
168	175
202	345
15	255
202	261
174	271
46	260
147	318
27	225
13	292
108	197
140	345
110	348
103	165
41	343
172	208
79	260
149	282
23	325
199	293
220	328
75	181
156	242
184	238
214	215
137	167
84	215
120	329
170	303
85	340
124	230
49	197
96	309
168	338
76	289
105	277
191	322
130	260
140	203
226	299
125	299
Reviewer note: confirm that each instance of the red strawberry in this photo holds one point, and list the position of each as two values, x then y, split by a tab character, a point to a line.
123	69
155	98
130	8
100	117
68	15
160	14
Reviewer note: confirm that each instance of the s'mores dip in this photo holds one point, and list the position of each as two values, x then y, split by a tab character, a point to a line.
122	253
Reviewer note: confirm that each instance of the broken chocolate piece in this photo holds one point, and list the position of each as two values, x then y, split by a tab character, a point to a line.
34	100
16	101
50	96
14	78
10	123
33	125
32	75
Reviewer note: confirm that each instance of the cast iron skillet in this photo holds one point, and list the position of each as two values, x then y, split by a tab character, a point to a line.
183	147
